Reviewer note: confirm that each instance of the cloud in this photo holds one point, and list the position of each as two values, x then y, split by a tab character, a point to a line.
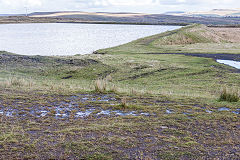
19	3
130	2
150	6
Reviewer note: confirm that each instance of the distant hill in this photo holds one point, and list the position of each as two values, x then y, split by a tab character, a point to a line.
76	14
10	15
212	13
178	17
121	18
174	12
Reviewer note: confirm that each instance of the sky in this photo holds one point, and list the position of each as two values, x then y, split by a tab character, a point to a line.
140	6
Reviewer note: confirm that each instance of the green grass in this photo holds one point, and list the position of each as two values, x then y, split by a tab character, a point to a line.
170	75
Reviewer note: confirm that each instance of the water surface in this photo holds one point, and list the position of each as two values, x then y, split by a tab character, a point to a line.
234	64
70	39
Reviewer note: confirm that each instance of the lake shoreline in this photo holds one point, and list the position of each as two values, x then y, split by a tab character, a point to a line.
24	20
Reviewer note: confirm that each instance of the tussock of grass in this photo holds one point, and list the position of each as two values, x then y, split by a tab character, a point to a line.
230	96
13	82
105	85
109	78
100	85
124	102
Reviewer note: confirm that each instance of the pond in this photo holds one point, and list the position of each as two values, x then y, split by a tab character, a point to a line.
49	39
234	64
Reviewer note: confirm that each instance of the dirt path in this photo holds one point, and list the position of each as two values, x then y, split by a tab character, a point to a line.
233	57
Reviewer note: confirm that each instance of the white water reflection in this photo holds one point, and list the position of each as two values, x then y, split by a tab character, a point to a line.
234	64
70	39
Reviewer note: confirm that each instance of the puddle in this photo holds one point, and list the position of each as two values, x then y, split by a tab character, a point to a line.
145	114
106	112
67	112
81	106
208	111
237	111
43	113
69	108
234	64
94	98
63	113
85	114
223	109
169	111
120	113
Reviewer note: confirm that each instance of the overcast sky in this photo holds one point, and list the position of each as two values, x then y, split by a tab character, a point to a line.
143	6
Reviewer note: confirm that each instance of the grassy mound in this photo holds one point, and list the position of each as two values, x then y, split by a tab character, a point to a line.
195	38
190	35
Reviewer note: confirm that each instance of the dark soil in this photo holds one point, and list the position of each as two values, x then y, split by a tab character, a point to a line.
12	60
233	57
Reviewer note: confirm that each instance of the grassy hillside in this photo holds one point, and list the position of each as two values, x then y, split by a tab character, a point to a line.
190	39
190	35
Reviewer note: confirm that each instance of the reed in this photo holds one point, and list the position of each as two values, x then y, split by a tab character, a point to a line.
100	85
229	95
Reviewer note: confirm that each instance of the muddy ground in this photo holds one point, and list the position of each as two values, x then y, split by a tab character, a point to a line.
233	57
30	61
97	126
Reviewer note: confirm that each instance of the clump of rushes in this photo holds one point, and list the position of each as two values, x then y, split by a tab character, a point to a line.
133	91
124	102
114	88
230	96
100	85
109	78
17	82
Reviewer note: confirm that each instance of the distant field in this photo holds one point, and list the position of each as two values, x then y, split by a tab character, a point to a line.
213	13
